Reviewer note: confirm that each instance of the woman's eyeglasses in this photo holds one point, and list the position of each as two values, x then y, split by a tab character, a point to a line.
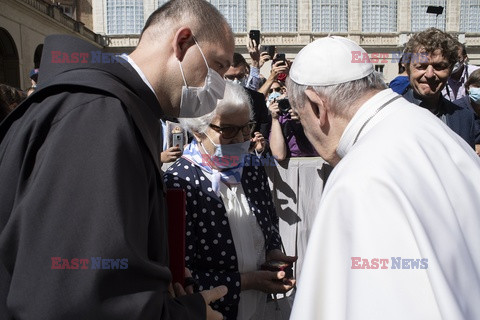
231	132
277	89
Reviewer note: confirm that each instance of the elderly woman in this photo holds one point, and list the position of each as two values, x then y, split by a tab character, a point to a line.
231	224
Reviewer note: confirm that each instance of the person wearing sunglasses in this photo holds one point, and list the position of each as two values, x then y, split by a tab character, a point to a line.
231	223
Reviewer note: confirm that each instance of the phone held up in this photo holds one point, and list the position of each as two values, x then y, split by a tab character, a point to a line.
270	50
178	140
280	57
255	35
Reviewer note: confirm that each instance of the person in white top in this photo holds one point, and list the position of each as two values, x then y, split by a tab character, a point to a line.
396	235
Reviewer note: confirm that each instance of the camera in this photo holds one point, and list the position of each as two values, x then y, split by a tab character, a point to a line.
284	106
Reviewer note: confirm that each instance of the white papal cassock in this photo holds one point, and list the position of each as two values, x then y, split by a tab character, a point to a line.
408	188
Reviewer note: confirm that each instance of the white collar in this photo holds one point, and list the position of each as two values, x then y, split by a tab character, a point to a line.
362	118
139	71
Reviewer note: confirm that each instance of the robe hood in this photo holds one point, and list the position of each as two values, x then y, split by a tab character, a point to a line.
64	55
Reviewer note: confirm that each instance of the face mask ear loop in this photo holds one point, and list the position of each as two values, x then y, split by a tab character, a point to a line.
201	52
183	75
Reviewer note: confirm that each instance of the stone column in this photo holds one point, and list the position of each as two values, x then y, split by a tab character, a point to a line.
304	14
148	7
98	13
452	12
254	15
403	16
355	16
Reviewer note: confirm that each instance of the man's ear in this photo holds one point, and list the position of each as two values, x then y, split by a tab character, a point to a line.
318	106
182	40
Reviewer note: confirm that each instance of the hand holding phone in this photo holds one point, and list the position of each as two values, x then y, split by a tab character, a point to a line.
178	140
255	35
270	50
280	57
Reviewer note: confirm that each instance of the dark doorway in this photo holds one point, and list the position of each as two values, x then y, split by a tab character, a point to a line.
9	67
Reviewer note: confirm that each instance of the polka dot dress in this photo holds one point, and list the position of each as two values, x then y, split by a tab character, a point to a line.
210	252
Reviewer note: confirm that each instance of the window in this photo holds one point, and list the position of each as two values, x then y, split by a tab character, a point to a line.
235	11
379	16
469	13
68	10
422	20
379	68
124	16
279	15
330	15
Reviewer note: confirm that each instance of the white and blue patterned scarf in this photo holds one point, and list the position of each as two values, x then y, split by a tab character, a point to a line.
231	176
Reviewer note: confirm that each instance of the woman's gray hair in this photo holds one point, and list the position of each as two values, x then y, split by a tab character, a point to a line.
340	96
235	100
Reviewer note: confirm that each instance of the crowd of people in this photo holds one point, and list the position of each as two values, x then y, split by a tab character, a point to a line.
87	158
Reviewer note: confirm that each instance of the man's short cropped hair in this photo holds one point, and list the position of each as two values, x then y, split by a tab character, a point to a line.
203	18
238	60
427	42
474	79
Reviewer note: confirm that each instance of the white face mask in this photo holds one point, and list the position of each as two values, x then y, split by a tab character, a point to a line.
198	101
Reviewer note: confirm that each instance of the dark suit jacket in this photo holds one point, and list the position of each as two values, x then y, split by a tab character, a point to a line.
461	120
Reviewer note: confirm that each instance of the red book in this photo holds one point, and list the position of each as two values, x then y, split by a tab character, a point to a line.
176	233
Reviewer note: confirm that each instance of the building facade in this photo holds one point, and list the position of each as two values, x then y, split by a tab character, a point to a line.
24	24
382	27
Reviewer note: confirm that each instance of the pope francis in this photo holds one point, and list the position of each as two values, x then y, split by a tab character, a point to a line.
397	232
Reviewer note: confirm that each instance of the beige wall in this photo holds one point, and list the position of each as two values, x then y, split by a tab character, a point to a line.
28	28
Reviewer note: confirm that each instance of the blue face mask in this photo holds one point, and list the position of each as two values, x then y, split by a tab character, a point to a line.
474	94
228	155
274	95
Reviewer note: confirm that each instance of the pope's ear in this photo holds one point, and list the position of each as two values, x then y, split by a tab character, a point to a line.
317	104
182	40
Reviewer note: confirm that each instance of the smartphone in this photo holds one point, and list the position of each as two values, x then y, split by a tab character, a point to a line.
178	140
255	35
274	265
280	57
270	50
284	106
